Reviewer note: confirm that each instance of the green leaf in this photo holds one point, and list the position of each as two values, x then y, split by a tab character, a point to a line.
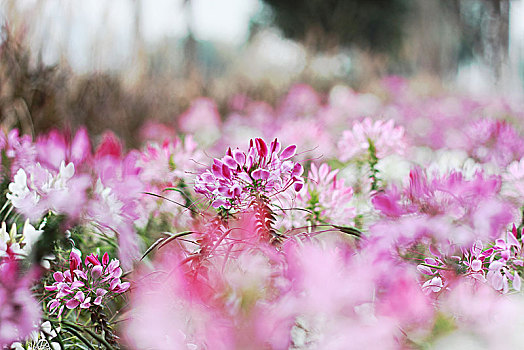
349	230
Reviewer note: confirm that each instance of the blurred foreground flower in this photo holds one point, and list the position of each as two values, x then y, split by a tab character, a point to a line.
19	311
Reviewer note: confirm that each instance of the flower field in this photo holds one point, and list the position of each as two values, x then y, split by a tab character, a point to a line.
339	220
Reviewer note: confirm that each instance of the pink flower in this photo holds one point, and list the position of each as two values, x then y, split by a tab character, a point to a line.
19	311
154	131
317	142
37	190
384	137
20	150
389	202
513	185
164	315
56	147
235	180
78	285
301	100
480	312
493	141
202	120
109	147
335	288
325	196
163	164
474	202
230	306
114	205
497	265
433	285
404	290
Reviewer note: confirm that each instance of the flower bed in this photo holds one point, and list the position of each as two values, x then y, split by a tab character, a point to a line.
337	221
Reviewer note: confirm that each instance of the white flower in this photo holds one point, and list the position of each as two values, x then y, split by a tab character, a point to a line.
36	190
106	209
10	238
19	191
38	340
29	236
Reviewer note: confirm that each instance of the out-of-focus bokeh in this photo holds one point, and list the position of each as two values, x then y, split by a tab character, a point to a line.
117	64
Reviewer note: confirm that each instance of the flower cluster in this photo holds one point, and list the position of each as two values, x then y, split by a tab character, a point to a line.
237	178
496	265
46	190
64	177
39	340
423	188
168	165
86	285
473	202
493	141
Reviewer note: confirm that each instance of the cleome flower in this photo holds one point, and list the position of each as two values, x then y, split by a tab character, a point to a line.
86	285
473	200
496	265
326	198
235	180
39	339
19	311
11	244
380	137
166	163
37	189
493	141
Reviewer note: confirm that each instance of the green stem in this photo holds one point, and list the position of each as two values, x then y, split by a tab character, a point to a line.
80	336
90	332
373	160
435	266
58	336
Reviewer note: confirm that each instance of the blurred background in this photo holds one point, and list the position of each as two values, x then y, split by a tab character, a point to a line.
117	64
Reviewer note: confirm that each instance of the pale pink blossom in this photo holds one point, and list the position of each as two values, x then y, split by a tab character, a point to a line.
202	120
19	311
325	197
225	303
37	190
513	184
493	141
477	311
20	150
56	147
475	202
382	136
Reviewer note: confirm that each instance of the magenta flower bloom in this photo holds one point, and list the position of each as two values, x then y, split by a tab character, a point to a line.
86	285
475	202
493	141
235	180
54	148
